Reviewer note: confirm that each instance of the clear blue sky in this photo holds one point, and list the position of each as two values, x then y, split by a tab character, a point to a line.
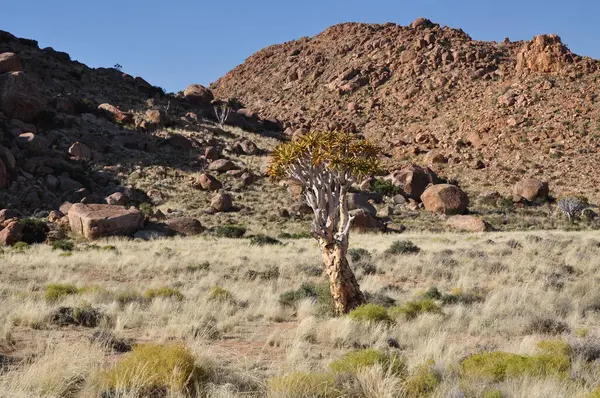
173	44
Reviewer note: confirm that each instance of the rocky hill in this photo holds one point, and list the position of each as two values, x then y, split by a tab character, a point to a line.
485	113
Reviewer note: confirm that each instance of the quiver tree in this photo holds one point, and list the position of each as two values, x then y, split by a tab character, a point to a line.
326	165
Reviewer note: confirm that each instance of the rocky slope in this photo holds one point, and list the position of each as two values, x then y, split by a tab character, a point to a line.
485	113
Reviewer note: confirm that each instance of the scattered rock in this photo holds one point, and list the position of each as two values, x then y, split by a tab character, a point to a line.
197	94
185	225
114	114
33	143
80	150
116	199
180	142
413	180
7	214
212	153
445	198
222	165
3	176
96	220
11	234
359	201
434	157
208	182
530	189
468	223
365	221
222	202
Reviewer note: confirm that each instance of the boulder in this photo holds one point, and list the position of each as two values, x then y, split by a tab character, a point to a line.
248	147
530	189
155	118
222	165
433	157
117	199
413	180
10	62
3	176
65	207
359	201
468	223
208	182
51	182
7	214
221	202
8	158
445	198
365	221
211	153
185	226
197	94
11	234
33	143
80	150
180	142
114	114
294	187
66	183
97	220
20	97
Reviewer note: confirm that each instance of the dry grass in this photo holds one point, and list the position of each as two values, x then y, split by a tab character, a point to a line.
525	284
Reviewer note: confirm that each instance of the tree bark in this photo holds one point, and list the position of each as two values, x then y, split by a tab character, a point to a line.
344	287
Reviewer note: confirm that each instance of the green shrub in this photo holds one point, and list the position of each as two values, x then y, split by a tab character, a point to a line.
261	240
320	293
146	209
403	247
358	253
303	385
195	267
543	325
229	231
34	230
64	245
357	360
20	247
492	394
412	309
458	296
166	292
151	368
218	293
56	291
385	188
498	366
433	294
370	313
127	297
422	381
85	316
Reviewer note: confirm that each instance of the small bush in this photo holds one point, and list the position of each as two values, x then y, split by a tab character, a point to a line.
403	247
458	296
385	188
218	293
320	293
541	325
128	297
422	381
79	316
412	309
358	253
492	394
262	240
56	291
357	360
108	340
303	385
20	247
379	298
229	231
195	267
152	368
166	292
271	273
64	245
433	294
311	270
370	313
34	230
146	209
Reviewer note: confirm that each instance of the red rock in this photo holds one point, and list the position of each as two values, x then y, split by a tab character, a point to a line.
413	180
445	198
117	199
208	182
185	226
365	221
531	190
222	202
222	165
96	220
115	115
7	214
198	95
11	234
468	223
211	153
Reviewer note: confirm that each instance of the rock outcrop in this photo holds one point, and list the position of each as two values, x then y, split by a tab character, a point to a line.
96	220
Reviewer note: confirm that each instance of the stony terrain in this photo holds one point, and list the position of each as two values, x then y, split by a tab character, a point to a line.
486	113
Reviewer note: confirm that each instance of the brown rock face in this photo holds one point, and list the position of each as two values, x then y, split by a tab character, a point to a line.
445	198
531	190
185	226
413	180
19	97
10	62
468	223
208	182
198	94
221	202
545	53
95	221
11	234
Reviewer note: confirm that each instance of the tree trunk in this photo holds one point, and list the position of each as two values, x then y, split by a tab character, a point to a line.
344	287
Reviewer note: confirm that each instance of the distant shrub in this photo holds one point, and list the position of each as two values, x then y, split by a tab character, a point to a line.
229	231
20	247
357	360
403	247
423	380
262	240
270	273
303	385
379	298
56	291
320	293
34	230
412	309
85	316
146	209
311	270
195	267
385	188
218	293
492	394
127	297
541	325
459	296
165	292
358	253
152	368
370	313
573	206
295	235
64	245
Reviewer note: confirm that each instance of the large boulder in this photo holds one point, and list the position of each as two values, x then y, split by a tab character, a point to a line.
445	198
413	180
365	221
468	223
530	189
185	226
208	182
11	234
10	62
97	220
7	214
197	94
20	98
222	202
114	114
360	201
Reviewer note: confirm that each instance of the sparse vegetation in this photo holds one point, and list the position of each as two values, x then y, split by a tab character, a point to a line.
403	247
370	313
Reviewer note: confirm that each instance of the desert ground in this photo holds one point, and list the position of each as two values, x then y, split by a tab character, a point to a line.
506	314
